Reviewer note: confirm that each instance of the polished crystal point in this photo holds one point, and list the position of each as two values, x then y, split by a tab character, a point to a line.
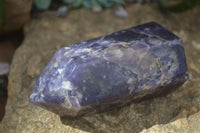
111	71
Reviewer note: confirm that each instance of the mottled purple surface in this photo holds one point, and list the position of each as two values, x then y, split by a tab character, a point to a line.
111	71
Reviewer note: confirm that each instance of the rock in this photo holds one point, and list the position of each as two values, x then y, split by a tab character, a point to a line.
42	4
98	74
43	36
34	65
17	14
196	45
7	49
184	125
62	11
96	8
121	12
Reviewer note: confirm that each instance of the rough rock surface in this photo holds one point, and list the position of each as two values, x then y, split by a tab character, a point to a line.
45	36
184	125
17	14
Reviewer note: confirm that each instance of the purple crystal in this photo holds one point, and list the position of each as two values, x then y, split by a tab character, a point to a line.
111	71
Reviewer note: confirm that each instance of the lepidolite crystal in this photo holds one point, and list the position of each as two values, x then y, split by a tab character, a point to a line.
111	71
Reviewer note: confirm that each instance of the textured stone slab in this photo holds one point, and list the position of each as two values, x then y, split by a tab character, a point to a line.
183	125
111	71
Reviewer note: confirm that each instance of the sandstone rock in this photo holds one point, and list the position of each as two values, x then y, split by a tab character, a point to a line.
50	33
184	125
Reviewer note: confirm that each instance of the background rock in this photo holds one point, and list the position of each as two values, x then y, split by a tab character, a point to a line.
17	14
44	36
184	125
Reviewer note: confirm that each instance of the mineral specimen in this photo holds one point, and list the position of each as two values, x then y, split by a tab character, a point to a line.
111	71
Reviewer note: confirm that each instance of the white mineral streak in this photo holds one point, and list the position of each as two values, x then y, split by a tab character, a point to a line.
78	96
105	42
116	33
67	104
73	69
130	80
69	61
174	65
83	57
39	93
118	53
82	50
38	99
155	41
33	96
60	71
67	85
66	48
56	64
66	54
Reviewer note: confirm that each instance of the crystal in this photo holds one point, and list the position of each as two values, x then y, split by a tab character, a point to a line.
112	71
